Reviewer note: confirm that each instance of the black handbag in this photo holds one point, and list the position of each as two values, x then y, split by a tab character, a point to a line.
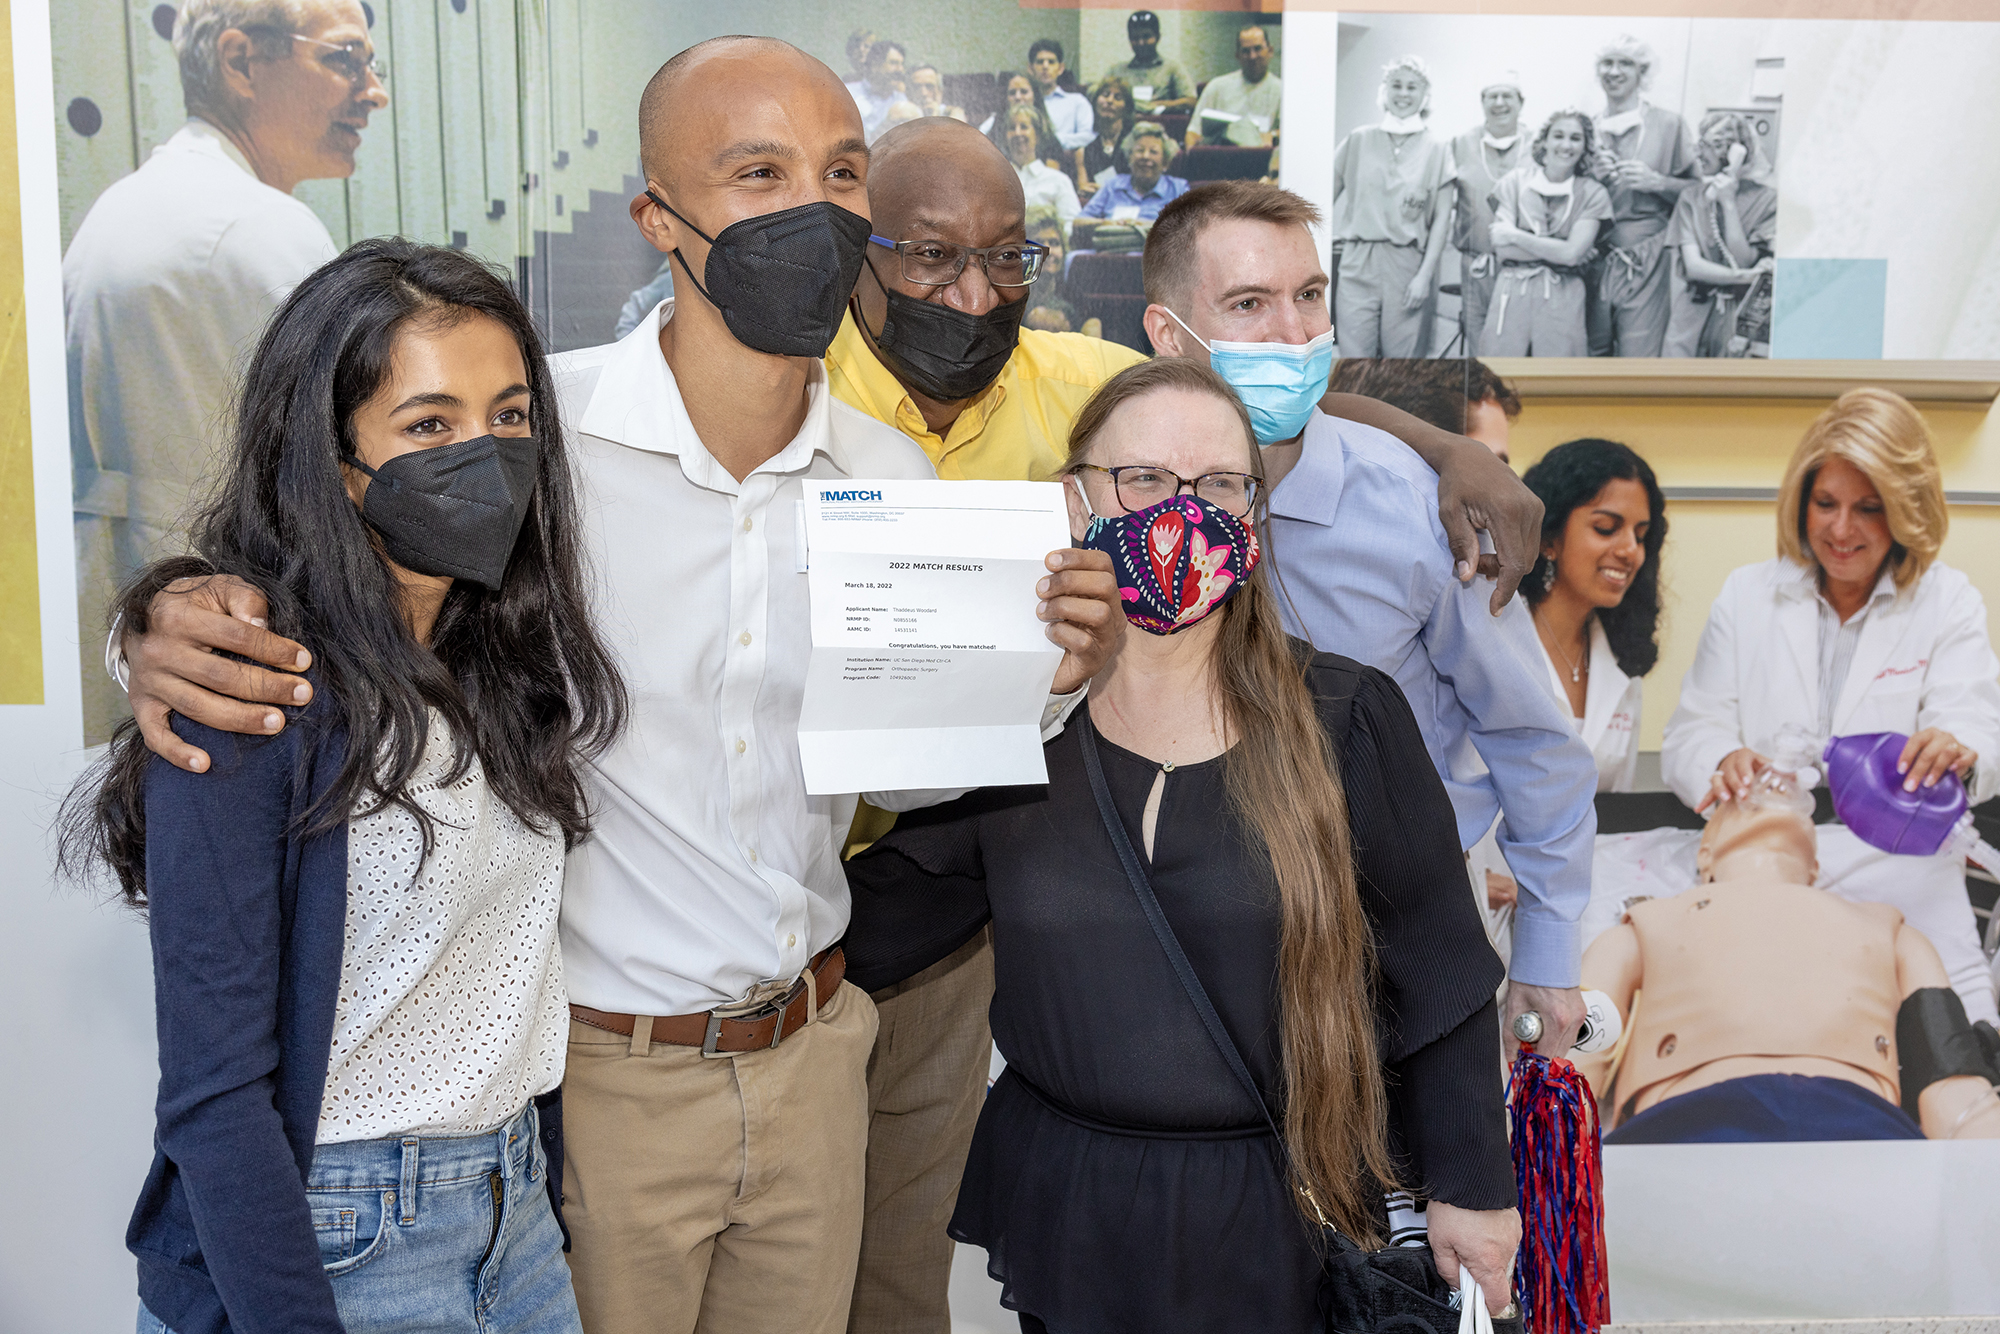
1396	1290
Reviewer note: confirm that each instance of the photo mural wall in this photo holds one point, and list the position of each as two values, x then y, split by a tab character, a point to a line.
1495	185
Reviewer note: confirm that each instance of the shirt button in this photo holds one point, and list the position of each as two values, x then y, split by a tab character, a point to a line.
791	941
746	525
744	639
741	745
753	854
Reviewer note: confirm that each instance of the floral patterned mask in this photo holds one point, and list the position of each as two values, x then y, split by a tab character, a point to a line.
1176	562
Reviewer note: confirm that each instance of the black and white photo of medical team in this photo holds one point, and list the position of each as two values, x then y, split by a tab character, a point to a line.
1569	219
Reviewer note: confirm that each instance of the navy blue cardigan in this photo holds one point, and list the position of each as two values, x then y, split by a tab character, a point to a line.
248	929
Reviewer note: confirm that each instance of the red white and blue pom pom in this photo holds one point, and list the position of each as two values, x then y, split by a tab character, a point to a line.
1560	1274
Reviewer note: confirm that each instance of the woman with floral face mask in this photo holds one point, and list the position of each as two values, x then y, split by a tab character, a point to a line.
360	1001
1303	850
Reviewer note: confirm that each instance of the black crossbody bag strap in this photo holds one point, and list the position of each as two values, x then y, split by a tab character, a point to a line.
1411	1294
1157	919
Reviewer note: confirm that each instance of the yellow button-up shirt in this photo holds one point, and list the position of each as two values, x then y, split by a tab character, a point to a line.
1014	430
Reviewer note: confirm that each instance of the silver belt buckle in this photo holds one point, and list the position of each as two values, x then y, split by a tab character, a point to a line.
711	1037
713	1034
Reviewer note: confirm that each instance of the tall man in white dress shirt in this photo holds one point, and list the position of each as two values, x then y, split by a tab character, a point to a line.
175	268
715	1101
1365	569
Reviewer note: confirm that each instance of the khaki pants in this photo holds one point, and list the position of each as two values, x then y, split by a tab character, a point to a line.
926	1083
721	1196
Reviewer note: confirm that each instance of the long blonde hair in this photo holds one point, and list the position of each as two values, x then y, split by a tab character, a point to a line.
1282	782
1878	432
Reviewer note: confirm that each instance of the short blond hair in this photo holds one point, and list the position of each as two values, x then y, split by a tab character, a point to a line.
1878	432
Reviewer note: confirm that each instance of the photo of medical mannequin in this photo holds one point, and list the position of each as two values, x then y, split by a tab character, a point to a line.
1775	1011
1722	235
1546	217
1855	627
1390	217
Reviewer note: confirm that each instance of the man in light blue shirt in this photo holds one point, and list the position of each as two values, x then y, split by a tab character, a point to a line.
1070	114
1356	538
1364	570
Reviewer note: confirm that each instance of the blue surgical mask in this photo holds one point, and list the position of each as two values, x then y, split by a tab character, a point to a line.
1280	383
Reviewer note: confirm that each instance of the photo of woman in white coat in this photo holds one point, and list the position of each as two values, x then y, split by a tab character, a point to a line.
1594	595
1595	592
1856	627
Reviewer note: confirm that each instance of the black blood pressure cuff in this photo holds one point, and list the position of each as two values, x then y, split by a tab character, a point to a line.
1934	1041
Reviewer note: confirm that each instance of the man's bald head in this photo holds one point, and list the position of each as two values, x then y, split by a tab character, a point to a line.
705	68
939	171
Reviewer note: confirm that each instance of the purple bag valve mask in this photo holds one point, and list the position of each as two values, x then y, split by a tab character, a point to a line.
1868	797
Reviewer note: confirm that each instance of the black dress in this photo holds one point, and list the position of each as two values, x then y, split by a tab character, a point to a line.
1120	1177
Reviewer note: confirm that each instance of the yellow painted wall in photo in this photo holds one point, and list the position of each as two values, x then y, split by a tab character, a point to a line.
1746	442
20	597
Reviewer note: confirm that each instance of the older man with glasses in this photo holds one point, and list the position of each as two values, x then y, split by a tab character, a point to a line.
175	267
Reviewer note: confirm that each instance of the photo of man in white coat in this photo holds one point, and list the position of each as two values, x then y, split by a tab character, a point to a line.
175	268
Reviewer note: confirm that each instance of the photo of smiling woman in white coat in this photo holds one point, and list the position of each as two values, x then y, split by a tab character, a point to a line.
1855	627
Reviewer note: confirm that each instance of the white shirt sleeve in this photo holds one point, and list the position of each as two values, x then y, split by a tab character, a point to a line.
1707	723
1962	686
1067	204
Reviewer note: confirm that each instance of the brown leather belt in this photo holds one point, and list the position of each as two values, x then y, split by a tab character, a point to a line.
726	1035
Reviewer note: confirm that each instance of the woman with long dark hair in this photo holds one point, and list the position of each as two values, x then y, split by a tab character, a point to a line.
1305	855
359	995
1595	592
1104	156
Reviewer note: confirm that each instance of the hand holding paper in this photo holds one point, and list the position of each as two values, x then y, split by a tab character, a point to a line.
1086	616
931	657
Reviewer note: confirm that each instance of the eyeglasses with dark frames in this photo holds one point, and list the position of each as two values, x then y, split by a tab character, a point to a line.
938	263
1141	486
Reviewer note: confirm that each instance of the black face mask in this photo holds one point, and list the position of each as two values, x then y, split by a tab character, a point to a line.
781	280
943	353
453	511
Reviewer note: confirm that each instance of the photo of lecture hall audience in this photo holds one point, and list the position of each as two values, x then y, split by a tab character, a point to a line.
1101	152
555	1003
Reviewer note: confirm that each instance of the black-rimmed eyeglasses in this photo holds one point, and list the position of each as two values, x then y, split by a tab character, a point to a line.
938	263
1141	486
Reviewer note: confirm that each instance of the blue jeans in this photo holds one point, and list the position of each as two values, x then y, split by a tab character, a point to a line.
439	1234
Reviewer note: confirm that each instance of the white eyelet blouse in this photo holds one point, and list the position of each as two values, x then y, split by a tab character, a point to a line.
452	1011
